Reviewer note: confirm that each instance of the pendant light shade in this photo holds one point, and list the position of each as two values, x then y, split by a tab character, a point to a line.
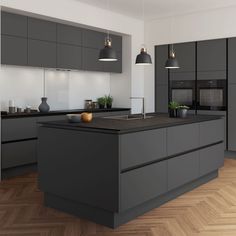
172	62
107	53
143	58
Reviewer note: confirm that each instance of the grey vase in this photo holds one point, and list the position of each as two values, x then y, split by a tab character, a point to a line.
44	107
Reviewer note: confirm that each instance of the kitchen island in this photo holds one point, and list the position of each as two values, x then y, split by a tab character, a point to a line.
112	170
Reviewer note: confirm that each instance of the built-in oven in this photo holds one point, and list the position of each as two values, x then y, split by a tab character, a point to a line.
211	95
183	92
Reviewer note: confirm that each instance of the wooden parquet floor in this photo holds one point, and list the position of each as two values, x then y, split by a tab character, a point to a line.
209	210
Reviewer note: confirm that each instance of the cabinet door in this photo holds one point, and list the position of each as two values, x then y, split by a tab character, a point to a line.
116	42
93	39
69	56
211	55
113	66
42	30
231	61
41	53
14	50
13	24
183	169
18	154
69	34
161	98
90	60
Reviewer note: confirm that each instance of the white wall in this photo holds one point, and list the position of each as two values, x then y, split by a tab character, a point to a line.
205	25
71	11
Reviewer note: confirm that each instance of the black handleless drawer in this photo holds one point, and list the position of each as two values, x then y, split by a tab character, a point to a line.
143	184
18	154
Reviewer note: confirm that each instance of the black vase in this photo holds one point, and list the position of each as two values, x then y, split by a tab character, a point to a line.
172	113
101	106
44	107
109	106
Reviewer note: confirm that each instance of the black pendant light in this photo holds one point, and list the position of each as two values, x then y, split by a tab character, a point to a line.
143	58
172	62
107	53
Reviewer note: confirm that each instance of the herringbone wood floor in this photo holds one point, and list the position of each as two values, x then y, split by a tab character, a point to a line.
209	210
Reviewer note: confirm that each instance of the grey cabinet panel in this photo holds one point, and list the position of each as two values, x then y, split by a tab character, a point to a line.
18	154
13	24
182	75
161	98
114	66
116	42
42	30
135	150
231	60
183	169
211	55
93	39
178	138
211	159
161	73
14	50
15	129
211	132
143	184
41	53
207	75
69	35
90	60
69	56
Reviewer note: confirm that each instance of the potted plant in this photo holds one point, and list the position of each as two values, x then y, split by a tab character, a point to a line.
182	111
101	102
173	106
109	100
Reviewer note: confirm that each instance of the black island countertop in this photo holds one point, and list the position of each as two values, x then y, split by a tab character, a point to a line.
60	112
111	125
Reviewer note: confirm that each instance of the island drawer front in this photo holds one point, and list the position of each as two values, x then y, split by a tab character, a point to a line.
18	154
142	147
211	132
211	158
182	138
17	129
143	184
183	169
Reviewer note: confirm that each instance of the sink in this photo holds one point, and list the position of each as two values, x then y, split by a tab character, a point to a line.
128	117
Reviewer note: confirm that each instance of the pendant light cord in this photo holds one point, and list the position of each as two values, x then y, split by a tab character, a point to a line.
108	9
44	82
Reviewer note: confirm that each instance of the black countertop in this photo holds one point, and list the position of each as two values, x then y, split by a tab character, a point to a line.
60	112
109	125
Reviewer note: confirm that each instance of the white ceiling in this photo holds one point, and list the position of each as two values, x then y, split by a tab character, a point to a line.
159	8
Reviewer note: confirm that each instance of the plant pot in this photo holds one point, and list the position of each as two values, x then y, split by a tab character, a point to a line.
172	113
109	106
44	107
182	113
101	106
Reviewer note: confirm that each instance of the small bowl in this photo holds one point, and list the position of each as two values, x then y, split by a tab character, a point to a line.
74	118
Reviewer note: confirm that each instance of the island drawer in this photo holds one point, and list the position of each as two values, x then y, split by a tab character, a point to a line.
182	138
211	132
142	184
183	169
142	147
211	158
18	154
17	129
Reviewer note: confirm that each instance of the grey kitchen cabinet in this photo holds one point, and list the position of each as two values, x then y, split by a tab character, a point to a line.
231	61
42	53
143	184
13	24
69	56
67	34
211	57
42	30
161	98
211	158
18	154
134	145
116	42
93	39
14	50
183	169
113	66
90	60
161	73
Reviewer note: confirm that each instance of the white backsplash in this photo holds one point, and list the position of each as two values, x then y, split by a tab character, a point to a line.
64	89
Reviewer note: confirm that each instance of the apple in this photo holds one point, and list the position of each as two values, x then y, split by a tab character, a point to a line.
86	117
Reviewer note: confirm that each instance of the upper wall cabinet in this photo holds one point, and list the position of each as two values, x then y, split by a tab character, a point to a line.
211	59
14	25
93	39
231	61
185	53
